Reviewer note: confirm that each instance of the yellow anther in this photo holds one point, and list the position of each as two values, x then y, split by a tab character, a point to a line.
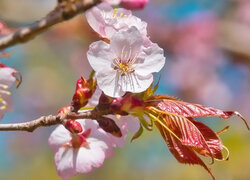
115	10
4	86
5	92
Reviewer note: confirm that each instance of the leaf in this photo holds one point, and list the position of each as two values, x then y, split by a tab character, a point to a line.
174	106
182	153
189	134
145	124
149	91
137	134
213	141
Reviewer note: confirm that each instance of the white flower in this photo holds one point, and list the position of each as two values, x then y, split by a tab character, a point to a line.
126	64
80	153
106	21
6	81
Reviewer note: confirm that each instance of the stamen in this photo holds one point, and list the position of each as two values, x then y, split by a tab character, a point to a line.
122	54
130	53
125	57
4	104
114	12
5	92
135	58
4	86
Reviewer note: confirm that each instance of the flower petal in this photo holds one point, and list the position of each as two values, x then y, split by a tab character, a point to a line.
153	60
132	123
108	81
59	137
99	55
6	76
124	40
65	162
96	19
136	83
88	158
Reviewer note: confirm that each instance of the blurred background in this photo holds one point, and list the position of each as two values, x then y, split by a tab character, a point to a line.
207	45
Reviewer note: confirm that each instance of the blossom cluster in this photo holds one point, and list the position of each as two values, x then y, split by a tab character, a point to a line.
120	97
121	87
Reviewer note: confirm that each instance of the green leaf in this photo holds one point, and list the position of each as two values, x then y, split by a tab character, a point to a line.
137	134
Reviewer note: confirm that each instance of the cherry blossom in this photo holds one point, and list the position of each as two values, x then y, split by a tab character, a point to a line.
125	123
126	64
106	21
80	153
6	81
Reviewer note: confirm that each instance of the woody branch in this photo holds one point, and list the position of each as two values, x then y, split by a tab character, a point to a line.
51	120
65	10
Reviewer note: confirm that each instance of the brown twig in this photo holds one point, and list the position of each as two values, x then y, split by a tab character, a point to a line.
50	121
65	10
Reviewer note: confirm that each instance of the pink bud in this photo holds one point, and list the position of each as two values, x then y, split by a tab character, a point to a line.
133	4
127	104
64	110
81	97
109	126
73	126
81	82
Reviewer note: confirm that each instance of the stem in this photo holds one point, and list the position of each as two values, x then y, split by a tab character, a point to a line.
65	10
51	120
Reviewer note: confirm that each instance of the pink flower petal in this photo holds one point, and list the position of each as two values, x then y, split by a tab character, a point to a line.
65	162
59	137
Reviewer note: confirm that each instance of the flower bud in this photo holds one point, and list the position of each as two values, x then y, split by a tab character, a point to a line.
80	98
109	126
105	100
81	82
133	4
73	126
64	110
127	104
84	91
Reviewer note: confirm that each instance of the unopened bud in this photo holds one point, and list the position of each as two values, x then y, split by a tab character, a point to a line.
129	104
73	126
81	97
109	126
81	82
84	91
64	110
104	100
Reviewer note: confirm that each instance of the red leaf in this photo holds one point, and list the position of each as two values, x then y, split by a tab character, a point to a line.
188	133
182	153
174	106
213	141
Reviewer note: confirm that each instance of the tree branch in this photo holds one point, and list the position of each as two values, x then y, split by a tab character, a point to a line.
65	10
51	120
